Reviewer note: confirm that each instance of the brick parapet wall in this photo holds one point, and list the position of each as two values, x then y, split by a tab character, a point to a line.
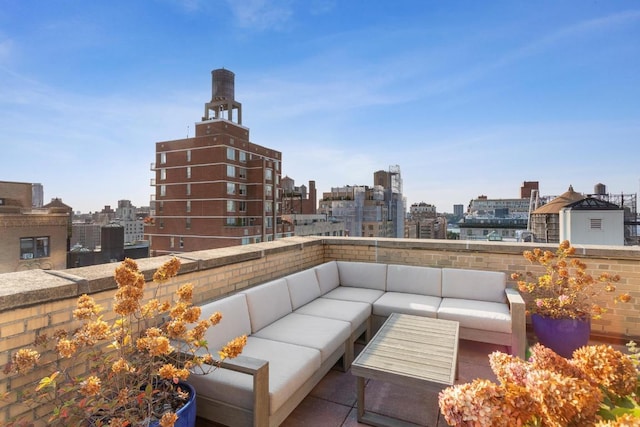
37	301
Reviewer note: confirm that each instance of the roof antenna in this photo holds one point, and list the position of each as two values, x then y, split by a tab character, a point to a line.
187	131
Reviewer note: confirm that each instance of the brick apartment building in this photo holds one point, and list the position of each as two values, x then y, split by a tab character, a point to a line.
216	189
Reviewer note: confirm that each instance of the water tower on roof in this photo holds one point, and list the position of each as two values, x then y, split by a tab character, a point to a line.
223	101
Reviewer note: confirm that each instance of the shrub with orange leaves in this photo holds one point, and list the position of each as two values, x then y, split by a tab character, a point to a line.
598	386
565	289
129	372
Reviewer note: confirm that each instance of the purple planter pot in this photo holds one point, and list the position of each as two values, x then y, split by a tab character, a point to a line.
561	335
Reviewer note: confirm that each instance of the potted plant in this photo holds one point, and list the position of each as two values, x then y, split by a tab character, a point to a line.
597	387
564	298
131	371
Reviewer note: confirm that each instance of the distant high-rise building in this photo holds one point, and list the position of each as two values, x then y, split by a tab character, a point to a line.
458	210
37	191
216	189
527	188
376	211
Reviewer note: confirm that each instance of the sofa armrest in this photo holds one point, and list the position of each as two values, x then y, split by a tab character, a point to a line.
518	322
259	370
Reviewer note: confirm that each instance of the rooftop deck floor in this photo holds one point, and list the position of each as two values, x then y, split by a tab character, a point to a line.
332	403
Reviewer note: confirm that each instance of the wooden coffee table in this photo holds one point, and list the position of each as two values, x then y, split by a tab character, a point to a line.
408	350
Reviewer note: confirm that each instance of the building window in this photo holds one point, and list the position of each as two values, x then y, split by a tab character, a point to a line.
163	190
243	156
160	207
268	207
188	189
34	247
277	164
172	242
268	191
231	206
242	189
182	242
231	188
188	155
268	174
242	173
231	171
163	158
242	206
188	205
231	220
231	153
188	172
596	223
269	222
188	223
163	174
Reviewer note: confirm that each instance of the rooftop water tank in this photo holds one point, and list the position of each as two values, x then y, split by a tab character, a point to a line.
223	85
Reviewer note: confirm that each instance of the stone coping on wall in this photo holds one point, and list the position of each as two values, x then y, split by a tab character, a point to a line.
33	287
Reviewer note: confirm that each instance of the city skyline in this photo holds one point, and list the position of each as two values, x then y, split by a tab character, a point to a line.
468	98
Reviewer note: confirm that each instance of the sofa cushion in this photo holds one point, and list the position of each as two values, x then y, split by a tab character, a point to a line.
321	333
474	314
348	293
289	367
235	320
267	303
354	312
303	288
414	280
328	277
363	274
399	302
474	284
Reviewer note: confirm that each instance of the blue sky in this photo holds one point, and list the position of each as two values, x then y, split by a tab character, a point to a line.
468	97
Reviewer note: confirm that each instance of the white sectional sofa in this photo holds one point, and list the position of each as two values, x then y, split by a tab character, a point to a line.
301	325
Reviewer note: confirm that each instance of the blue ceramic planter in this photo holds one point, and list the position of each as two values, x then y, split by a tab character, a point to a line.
186	414
561	335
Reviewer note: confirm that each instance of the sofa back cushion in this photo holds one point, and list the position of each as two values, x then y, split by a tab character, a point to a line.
235	320
328	277
303	288
474	284
363	274
414	280
267	303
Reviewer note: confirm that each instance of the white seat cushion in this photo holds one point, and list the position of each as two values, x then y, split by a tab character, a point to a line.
353	312
414	280
474	284
235	320
321	333
328	277
398	302
289	367
473	314
267	303
363	274
303	288
348	293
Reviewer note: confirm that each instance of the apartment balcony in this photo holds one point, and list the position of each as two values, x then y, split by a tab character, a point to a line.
38	301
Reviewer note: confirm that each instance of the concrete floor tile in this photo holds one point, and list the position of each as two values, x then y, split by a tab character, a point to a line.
338	387
314	412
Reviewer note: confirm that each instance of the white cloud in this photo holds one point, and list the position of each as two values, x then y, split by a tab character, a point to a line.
261	14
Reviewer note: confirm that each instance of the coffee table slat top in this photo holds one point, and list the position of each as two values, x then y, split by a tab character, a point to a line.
411	348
